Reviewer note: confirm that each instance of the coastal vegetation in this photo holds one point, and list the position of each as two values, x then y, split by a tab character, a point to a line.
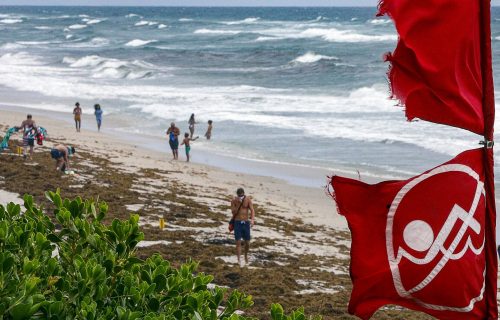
76	267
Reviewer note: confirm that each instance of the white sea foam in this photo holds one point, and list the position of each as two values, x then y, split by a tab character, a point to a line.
11	21
327	34
43	28
139	43
263	38
83	16
132	15
244	21
94	21
145	23
311	57
11	46
77	26
379	21
212	31
162	26
87	61
185	19
354	19
69	36
335	35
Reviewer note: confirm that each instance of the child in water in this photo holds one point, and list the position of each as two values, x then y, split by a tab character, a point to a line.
208	134
185	142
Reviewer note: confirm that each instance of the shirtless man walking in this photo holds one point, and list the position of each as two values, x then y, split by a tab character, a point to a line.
28	128
240	206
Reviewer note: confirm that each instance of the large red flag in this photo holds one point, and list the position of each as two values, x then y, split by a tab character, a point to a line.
436	66
420	242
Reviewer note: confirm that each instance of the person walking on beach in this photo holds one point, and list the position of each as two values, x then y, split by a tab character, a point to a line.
61	154
98	116
172	133
208	134
29	130
77	112
191	123
185	142
241	205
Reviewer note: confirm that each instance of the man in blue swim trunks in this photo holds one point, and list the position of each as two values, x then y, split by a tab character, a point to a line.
61	154
173	140
240	207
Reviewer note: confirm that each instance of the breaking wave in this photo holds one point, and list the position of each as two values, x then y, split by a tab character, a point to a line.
111	68
139	43
311	57
212	31
145	23
11	21
244	21
77	26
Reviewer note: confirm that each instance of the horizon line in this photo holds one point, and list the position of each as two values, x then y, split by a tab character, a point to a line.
183	6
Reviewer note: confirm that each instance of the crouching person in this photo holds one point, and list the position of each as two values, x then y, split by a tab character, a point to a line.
61	154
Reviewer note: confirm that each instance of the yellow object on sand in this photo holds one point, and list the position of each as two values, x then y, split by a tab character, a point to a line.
162	223
19	150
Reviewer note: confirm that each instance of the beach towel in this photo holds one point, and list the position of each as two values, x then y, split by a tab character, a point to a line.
5	141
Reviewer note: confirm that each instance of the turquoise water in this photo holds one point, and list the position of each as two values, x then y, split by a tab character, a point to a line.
282	85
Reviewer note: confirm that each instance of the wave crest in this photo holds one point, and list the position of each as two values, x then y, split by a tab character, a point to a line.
11	21
311	57
244	21
139	43
212	31
77	26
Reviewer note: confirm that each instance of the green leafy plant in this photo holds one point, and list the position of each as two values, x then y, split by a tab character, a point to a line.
80	268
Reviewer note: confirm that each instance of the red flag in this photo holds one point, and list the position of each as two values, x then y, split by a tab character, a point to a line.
419	243
436	66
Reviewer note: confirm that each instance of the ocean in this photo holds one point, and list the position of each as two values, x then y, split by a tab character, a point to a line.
301	86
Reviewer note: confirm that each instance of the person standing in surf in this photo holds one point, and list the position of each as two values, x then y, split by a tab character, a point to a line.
208	134
172	133
98	116
191	123
77	112
187	144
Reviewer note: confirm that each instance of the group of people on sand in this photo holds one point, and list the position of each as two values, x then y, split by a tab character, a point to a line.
60	153
173	133
243	213
77	113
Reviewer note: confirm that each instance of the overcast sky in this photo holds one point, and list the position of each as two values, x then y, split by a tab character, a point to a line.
365	3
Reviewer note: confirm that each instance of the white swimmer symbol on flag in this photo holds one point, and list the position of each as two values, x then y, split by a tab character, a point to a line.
419	236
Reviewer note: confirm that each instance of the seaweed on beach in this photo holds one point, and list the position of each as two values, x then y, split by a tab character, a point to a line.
301	265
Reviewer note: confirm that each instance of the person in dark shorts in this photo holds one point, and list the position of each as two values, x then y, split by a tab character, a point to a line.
29	130
61	154
244	214
172	134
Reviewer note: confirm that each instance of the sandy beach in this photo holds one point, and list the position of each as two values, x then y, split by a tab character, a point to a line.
300	252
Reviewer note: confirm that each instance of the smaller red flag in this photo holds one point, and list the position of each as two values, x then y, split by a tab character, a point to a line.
436	67
419	243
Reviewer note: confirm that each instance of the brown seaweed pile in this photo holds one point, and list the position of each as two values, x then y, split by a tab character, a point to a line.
292	263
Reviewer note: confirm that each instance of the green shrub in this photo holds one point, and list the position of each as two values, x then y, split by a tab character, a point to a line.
84	269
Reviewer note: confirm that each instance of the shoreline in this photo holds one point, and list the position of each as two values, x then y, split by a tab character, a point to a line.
310	201
295	174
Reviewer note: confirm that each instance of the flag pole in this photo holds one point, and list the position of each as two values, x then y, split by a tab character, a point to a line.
489	120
